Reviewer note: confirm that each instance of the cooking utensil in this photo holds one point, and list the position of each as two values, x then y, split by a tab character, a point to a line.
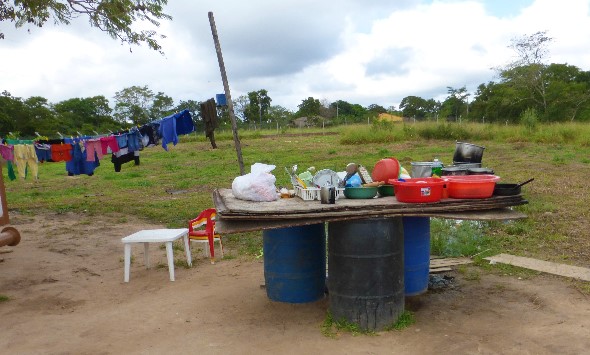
509	189
524	183
468	153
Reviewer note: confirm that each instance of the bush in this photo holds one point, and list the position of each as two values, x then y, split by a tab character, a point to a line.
529	119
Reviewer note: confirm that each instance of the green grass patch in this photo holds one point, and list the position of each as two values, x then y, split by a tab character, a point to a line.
4	298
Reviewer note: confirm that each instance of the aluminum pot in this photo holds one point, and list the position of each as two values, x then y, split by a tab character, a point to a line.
421	169
468	153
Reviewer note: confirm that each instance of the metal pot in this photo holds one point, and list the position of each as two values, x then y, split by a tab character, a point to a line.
468	153
421	169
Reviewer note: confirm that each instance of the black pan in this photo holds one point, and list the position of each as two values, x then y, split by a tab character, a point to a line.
509	189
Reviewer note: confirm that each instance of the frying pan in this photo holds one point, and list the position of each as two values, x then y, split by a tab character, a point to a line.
509	189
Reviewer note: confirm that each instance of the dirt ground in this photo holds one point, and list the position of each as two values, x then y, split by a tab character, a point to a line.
66	295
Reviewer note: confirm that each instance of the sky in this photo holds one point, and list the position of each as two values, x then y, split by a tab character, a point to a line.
362	52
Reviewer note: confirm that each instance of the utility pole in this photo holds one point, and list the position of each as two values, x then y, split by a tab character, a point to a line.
230	105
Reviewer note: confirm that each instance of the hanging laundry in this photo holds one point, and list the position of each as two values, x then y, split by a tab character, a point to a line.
25	156
134	140
43	151
79	163
109	142
168	131
121	140
93	149
7	152
10	169
61	152
184	123
123	156
150	135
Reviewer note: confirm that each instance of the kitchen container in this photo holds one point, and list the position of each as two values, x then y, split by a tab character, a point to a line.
385	190
418	190
421	169
471	186
386	169
360	192
468	153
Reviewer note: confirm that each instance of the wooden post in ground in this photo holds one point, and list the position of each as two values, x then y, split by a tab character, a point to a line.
230	105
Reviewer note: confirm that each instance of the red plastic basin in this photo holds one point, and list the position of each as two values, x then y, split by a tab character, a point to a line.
418	190
471	186
386	169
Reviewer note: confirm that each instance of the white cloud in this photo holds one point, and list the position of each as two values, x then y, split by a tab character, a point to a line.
374	53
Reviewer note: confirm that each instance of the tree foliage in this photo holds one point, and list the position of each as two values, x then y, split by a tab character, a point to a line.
115	17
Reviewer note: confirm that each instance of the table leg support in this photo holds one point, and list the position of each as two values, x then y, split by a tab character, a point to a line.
127	261
170	255
187	248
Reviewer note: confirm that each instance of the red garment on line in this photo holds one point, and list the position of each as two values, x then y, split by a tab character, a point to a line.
61	152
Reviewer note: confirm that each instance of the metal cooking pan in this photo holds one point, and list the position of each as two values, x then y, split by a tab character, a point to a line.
502	189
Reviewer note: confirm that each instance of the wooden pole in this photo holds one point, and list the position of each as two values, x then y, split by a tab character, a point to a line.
230	105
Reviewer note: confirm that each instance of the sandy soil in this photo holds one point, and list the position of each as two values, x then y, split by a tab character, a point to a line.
66	295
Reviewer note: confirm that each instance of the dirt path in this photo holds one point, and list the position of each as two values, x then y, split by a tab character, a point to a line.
66	295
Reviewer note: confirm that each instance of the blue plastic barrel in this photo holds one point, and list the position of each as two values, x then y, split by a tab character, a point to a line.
221	101
416	254
295	263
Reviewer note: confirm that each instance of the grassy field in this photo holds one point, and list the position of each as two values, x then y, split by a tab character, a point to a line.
172	187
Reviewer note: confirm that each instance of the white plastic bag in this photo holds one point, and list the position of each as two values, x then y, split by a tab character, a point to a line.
258	185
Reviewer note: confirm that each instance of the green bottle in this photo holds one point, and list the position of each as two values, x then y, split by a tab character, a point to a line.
437	168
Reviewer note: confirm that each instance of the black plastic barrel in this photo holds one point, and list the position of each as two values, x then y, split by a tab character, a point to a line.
365	268
295	263
416	254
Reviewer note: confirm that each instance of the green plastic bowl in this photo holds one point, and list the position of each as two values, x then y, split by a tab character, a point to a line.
385	190
360	192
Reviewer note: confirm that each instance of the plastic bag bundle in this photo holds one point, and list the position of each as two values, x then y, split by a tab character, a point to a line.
258	185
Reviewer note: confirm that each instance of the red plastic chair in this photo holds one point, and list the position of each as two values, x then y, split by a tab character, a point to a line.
202	230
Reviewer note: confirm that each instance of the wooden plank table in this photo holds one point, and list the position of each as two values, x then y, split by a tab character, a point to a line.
234	215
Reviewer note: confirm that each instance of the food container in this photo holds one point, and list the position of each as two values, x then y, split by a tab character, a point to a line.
386	169
360	192
421	169
385	190
471	186
468	153
418	190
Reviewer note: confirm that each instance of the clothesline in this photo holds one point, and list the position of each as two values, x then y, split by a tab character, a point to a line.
82	153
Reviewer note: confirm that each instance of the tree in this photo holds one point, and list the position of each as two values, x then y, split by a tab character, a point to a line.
133	104
115	17
162	106
257	108
455	104
309	107
527	72
413	107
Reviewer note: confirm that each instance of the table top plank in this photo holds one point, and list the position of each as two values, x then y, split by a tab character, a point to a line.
228	226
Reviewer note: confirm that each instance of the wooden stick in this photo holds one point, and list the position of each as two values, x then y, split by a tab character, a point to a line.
230	105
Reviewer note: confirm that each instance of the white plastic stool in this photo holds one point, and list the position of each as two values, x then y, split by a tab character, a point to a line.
147	236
